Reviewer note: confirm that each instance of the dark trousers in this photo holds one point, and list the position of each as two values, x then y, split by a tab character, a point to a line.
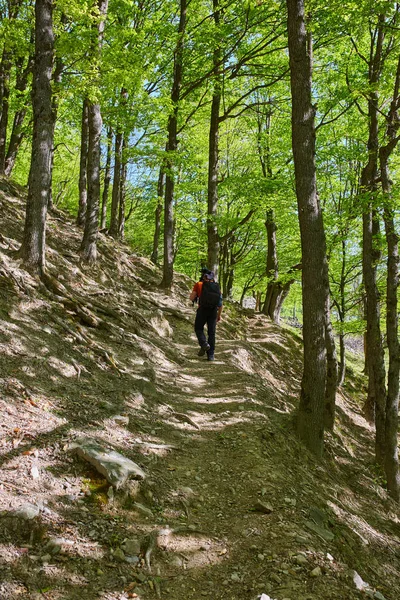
206	316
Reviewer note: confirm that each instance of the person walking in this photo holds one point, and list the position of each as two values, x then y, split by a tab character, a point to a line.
208	294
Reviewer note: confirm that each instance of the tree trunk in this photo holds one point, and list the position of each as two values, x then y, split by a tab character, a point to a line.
89	241
113	230
34	238
80	221
342	312
332	372
392	319
212	190
315	282
57	76
157	216
371	251
5	75
342	360
392	333
172	145
122	191
107	179
17	132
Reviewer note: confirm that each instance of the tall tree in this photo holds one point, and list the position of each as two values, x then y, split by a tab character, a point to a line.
315	282
392	284
34	239
212	188
89	241
172	145
83	161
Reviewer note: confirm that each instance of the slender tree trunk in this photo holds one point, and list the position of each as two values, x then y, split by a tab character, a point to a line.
332	372
122	191
107	179
157	216
371	256
213	158
57	76
34	238
17	132
310	422
172	145
113	230
342	312
89	241
80	221
392	334
5	73
392	284
371	251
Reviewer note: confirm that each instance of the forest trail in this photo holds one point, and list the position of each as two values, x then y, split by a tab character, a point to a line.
232	508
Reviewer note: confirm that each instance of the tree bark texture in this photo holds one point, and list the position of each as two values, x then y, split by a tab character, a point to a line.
332	372
371	256
157	216
17	132
89	240
371	252
107	179
213	158
392	334
172	145
392	285
34	238
277	291
80	221
122	191
315	282
113	230
57	78
5	84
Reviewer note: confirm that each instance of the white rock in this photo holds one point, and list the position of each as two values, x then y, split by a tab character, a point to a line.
358	582
35	472
115	467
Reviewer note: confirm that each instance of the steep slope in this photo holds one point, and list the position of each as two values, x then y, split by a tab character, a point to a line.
232	506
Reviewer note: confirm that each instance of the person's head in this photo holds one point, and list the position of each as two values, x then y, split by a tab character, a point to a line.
204	271
208	276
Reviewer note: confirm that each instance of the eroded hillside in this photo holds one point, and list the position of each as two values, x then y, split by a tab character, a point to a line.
231	506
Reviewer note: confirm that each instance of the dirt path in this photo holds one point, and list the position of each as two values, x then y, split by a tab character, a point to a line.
232	508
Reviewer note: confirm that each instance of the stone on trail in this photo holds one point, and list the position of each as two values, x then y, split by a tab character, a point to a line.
27	512
263	507
359	583
115	467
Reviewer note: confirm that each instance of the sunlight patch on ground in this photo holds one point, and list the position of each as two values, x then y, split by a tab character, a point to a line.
277	384
28	421
191	550
365	531
355	417
195	381
220	400
65	369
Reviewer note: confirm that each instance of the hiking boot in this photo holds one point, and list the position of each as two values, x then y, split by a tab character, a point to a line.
210	357
205	347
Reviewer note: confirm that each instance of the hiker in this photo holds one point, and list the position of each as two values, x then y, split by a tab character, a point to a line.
208	294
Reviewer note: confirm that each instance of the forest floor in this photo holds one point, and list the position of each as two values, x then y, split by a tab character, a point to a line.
232	506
